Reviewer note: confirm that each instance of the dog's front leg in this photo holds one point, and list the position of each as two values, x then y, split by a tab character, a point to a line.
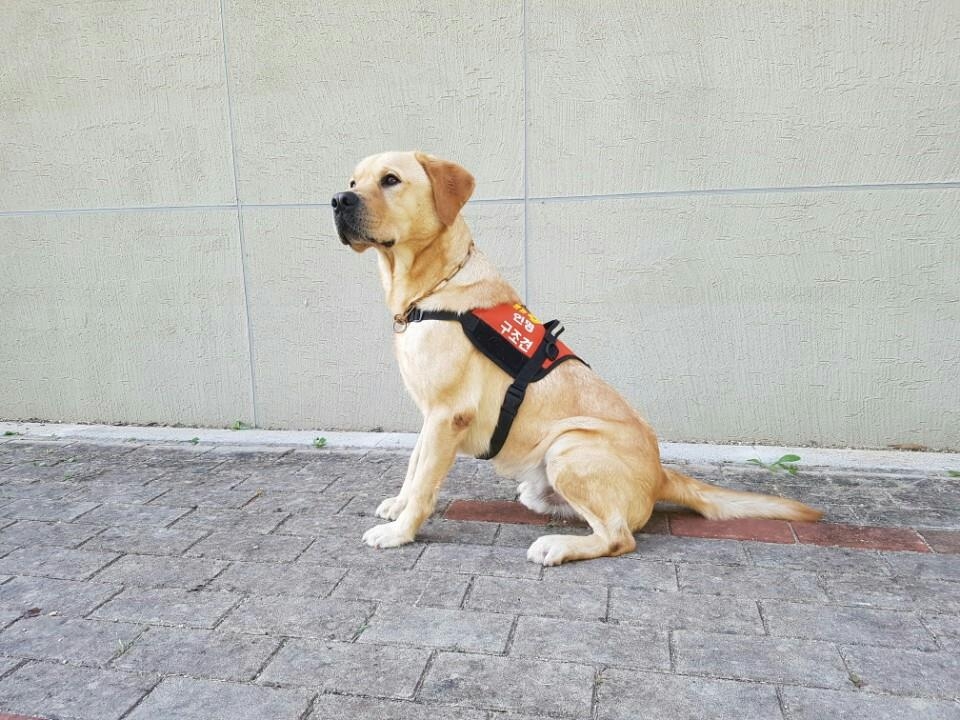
391	508
437	447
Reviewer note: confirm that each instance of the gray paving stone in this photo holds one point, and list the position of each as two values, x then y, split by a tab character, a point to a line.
9	615
31	509
168	606
274	501
144	541
149	571
40	489
54	562
905	672
139	516
349	527
202	494
839	561
499	683
342	707
946	628
800	703
680	611
896	593
241	546
191	699
200	653
857	625
405	587
20	451
355	669
593	643
439	628
66	597
522	536
478	559
43	637
925	565
58	534
536	597
456	531
670	548
226	520
8	664
56	690
750	582
304	579
292	479
629	695
623	571
743	657
884	592
126	475
114	492
56	472
299	617
351	551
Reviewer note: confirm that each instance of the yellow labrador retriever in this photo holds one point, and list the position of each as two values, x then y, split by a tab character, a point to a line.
576	447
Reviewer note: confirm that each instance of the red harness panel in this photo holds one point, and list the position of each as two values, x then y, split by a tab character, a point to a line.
518	327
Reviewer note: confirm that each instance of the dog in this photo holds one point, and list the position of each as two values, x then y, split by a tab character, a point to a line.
576	447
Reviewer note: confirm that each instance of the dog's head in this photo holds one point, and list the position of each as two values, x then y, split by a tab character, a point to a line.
400	197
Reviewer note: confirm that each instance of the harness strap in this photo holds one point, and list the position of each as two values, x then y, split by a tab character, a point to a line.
518	388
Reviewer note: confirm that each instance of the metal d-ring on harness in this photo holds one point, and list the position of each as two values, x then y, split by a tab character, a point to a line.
530	371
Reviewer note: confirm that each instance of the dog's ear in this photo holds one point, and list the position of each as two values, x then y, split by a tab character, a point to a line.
452	186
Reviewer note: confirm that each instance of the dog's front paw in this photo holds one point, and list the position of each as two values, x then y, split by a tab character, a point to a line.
391	508
387	536
548	550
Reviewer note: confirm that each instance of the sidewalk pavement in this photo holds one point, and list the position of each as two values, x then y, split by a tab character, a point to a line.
202	581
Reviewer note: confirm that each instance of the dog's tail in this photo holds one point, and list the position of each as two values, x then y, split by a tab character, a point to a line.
721	504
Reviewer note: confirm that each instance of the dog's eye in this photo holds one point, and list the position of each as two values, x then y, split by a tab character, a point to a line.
389	180
353	183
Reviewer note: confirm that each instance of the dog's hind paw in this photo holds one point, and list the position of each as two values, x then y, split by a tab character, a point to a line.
387	536
391	508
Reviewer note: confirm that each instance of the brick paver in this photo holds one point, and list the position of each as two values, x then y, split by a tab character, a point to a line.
151	581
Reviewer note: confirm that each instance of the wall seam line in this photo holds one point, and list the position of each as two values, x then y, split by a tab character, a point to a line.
239	209
526	156
950	185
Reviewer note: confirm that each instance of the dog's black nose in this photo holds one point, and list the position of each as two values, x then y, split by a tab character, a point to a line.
345	200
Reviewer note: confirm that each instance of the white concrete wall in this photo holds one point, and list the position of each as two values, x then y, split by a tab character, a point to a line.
745	213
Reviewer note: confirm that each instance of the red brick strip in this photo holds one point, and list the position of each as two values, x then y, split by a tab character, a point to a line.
7	716
771	531
501	511
866	538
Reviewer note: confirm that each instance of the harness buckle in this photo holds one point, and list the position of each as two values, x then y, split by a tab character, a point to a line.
514	398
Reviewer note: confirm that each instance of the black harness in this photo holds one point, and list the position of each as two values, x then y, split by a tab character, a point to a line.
523	368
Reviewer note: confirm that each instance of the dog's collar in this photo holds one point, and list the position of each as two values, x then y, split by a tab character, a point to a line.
401	320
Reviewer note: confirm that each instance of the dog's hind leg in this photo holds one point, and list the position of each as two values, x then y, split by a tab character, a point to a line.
601	487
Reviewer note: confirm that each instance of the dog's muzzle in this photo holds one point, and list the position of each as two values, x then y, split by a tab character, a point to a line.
346	206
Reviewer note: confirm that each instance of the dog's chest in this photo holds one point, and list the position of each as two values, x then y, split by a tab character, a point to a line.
431	357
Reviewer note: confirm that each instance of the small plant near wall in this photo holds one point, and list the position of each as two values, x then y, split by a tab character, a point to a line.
320	442
786	462
953	473
240	425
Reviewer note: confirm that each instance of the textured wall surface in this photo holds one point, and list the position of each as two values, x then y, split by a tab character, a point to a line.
746	213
